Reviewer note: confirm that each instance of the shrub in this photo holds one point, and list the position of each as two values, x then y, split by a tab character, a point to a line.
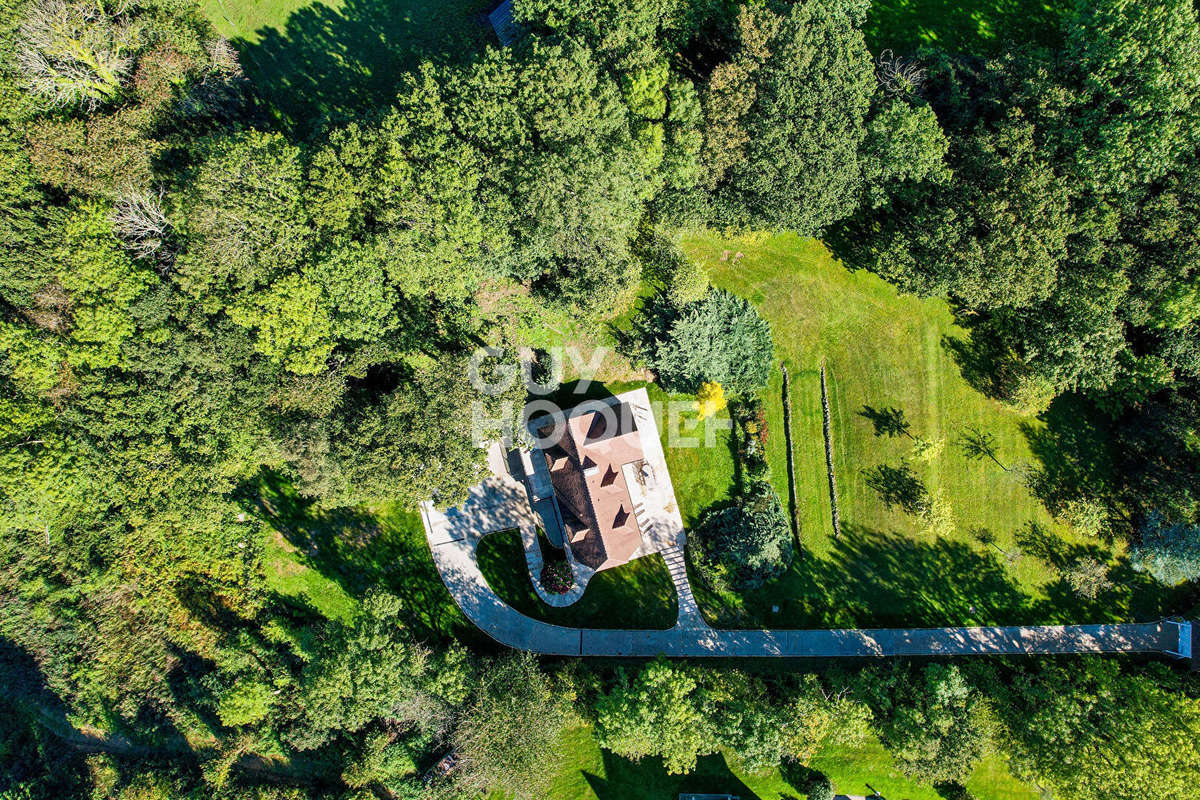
710	399
556	577
819	787
721	338
1088	577
750	542
688	282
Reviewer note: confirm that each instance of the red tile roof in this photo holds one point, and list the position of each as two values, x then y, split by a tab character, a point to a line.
585	469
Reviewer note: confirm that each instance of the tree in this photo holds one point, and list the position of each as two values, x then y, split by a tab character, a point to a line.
1088	577
1136	112
245	218
103	284
795	161
383	759
292	322
514	719
995	237
366	672
573	198
710	399
1091	729
938	515
77	51
819	787
721	338
749	542
904	145
1169	552
764	723
935	724
657	712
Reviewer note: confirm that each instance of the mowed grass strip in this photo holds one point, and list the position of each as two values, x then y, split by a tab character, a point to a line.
887	350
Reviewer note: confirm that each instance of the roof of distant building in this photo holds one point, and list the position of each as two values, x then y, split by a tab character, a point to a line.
507	29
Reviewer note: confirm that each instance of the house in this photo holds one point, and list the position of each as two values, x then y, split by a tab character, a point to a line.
597	469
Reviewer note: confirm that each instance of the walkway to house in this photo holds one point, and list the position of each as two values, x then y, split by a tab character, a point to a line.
453	541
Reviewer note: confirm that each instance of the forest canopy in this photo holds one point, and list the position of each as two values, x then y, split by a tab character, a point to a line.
210	319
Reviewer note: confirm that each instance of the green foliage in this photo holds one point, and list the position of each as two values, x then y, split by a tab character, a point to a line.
720	338
366	672
1140	86
656	712
292	324
410	444
747	543
1000	240
1169	552
766	723
103	284
934	722
245	217
790	119
1088	577
514	719
1090	729
191	301
383	760
246	703
904	146
627	35
819	787
645	91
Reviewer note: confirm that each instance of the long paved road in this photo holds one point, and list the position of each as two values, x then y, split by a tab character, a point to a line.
453	549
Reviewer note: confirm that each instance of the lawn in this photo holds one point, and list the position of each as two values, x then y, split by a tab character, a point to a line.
635	595
587	772
341	57
882	349
971	27
327	561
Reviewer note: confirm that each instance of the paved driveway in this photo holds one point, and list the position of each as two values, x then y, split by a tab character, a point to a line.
452	541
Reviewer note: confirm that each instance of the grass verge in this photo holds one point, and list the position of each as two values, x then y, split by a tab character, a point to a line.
635	595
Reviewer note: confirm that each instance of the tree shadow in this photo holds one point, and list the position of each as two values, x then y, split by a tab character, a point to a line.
361	552
980	358
887	420
572	393
873	578
344	62
1076	454
898	486
43	754
623	779
33	759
